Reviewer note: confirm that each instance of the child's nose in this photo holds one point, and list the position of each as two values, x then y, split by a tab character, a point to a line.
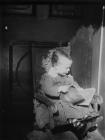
68	69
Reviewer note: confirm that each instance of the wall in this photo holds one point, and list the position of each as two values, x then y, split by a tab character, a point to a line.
95	68
0	66
28	28
0	48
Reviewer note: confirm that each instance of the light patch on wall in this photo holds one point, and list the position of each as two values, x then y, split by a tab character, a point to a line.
95	66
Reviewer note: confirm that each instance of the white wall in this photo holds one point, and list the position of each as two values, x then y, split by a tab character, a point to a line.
95	66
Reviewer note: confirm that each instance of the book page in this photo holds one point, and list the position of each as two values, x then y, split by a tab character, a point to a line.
88	95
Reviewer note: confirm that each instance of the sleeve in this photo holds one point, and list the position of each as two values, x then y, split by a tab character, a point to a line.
42	116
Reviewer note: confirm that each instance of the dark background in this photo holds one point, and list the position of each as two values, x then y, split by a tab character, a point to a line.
35	26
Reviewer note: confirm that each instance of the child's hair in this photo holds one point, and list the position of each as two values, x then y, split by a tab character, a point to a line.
55	56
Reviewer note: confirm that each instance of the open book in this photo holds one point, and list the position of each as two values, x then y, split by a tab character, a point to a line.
87	94
77	96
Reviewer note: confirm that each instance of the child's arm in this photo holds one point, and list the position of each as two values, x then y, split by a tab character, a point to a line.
63	88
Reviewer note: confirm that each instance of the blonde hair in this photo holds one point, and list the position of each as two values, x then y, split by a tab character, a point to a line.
53	56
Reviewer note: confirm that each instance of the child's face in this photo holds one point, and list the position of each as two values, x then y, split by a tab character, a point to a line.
63	66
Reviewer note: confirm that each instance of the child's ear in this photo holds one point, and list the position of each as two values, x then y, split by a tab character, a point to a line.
54	58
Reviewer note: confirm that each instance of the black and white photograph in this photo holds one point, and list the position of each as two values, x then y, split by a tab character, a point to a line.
52	70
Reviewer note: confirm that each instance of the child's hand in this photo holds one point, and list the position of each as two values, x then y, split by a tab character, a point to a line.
64	88
98	99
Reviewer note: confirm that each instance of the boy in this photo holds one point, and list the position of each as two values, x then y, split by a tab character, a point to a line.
59	87
57	81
